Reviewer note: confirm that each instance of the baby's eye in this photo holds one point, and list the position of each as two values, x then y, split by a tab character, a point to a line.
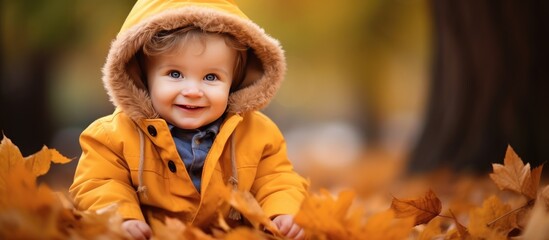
210	77
174	74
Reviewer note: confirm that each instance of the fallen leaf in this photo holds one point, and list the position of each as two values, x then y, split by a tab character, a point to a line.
323	216
170	229
222	223
462	230
385	226
537	226
432	230
174	229
39	163
194	233
246	204
32	211
57	157
104	223
545	196
513	175
482	224
240	233
9	157
423	209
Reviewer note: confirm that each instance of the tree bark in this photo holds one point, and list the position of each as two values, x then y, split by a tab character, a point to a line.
489	86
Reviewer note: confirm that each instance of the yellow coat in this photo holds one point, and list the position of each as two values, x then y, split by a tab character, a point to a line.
113	146
108	169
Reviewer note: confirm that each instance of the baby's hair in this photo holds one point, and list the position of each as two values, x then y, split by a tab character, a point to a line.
167	40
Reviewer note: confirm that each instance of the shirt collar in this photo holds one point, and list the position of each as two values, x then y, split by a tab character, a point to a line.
212	128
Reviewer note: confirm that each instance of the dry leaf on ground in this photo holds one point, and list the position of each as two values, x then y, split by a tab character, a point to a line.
322	215
432	230
423	209
537	226
385	226
515	176
487	222
246	204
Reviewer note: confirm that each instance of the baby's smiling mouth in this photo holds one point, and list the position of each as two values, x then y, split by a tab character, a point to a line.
190	107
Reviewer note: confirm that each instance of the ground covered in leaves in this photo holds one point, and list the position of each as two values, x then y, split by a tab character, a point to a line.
509	203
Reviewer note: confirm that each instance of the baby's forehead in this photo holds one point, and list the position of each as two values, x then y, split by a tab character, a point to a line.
200	44
188	37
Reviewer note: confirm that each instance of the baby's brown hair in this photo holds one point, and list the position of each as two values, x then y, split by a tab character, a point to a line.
165	41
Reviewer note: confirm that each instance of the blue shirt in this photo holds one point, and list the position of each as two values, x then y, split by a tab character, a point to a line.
193	147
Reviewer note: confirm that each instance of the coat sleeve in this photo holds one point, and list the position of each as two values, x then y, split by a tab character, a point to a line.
277	187
102	176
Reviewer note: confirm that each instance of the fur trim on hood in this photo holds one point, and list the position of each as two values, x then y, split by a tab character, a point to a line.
122	77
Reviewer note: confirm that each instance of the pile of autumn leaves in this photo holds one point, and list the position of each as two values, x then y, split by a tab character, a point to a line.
32	211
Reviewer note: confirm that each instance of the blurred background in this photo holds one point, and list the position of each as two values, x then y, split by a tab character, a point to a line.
374	90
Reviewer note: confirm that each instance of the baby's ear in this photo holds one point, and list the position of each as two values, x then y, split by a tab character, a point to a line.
136	70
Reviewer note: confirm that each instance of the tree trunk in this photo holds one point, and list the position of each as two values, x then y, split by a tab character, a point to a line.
489	87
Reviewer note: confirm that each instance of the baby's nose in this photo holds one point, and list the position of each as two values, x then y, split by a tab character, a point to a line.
192	92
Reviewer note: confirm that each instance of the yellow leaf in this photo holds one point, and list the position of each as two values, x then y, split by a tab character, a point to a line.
194	233
423	209
545	195
104	223
244	233
9	156
171	229
515	176
482	225
432	230
385	226
57	157
27	211
174	229
461	230
222	223
321	215
39	163
246	204
31	211
537	226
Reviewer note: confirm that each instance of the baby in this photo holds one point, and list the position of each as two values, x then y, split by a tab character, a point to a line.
187	79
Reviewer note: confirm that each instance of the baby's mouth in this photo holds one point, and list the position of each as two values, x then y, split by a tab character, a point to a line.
190	107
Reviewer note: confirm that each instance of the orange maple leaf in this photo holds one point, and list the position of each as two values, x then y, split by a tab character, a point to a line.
515	176
432	230
32	211
38	163
423	209
385	226
322	216
174	229
104	223
246	233
545	195
536	228
482	224
461	230
246	204
10	156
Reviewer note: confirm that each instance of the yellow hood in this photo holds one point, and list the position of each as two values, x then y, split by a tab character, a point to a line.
144	9
122	77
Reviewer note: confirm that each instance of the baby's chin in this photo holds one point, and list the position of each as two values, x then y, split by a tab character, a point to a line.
192	124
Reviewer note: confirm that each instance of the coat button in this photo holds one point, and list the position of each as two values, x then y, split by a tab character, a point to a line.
152	130
171	166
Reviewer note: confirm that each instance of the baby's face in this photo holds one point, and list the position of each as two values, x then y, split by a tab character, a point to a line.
189	87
